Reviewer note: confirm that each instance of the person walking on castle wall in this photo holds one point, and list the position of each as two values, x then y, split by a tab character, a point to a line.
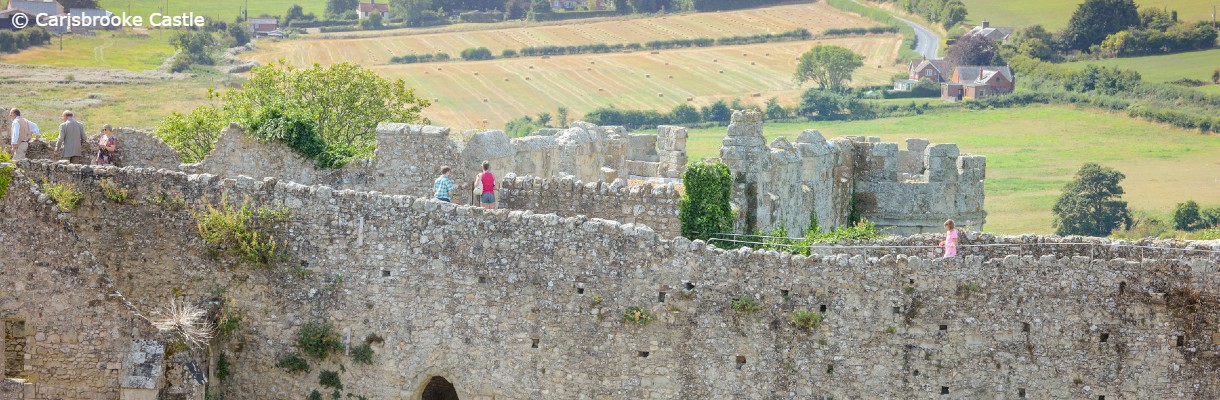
488	182
443	187
24	131
107	146
71	143
950	242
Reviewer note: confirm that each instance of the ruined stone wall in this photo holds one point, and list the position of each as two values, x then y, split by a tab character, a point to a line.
66	333
520	305
654	206
135	147
902	191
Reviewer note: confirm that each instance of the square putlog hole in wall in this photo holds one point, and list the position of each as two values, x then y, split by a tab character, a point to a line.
822	309
1021	393
944	328
482	279
1105	337
660	297
1024	327
534	344
741	361
580	290
643	354
1181	341
385	273
944	390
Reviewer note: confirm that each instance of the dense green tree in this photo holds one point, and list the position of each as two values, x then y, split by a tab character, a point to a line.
336	8
717	112
704	209
373	22
684	114
239	34
562	115
1216	76
1106	80
1096	19
829	66
411	11
544	119
540	6
343	102
622	7
1036	42
822	105
973	50
195	47
774	110
1091	204
1186	216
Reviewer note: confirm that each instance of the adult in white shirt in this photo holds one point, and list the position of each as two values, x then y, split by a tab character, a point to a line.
23	132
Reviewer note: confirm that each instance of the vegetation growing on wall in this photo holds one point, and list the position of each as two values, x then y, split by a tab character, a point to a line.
64	194
318	339
704	209
806	320
638	316
240	231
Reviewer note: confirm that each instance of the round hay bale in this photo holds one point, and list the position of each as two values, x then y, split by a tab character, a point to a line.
588	68
767	55
601	90
531	67
546	57
752	63
722	71
715	60
690	99
655	52
592	62
485	100
671	77
476	74
647	75
527	78
506	79
436	99
756	94
440	69
660	94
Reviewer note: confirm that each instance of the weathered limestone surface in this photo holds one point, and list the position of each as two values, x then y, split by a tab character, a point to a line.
67	332
653	205
902	191
466	293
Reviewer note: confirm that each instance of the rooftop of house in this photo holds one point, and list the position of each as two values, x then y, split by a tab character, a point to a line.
982	73
992	32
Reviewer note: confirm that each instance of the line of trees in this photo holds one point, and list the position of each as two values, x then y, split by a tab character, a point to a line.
1115	28
12	42
948	13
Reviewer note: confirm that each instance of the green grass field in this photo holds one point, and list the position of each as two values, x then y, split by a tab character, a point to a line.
1054	14
116	50
225	10
1033	151
1169	67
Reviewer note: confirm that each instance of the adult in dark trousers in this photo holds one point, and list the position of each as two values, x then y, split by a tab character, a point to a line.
71	143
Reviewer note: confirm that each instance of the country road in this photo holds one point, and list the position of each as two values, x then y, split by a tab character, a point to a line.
927	42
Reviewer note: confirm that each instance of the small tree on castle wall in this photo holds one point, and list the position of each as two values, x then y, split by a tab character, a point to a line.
704	209
1091	204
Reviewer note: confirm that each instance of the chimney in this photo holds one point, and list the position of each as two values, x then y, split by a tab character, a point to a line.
986	24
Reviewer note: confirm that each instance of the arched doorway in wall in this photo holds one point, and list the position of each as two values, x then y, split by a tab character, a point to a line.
439	388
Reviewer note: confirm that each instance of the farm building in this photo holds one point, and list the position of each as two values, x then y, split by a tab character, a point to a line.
263	27
37	7
90	13
364	9
973	82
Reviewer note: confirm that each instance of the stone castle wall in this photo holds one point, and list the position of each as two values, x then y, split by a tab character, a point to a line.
510	304
902	191
653	205
67	333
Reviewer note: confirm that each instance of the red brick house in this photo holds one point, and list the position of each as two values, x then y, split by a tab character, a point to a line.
364	9
265	27
973	82
937	71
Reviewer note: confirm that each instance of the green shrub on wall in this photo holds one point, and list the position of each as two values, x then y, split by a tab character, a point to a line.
704	209
318	339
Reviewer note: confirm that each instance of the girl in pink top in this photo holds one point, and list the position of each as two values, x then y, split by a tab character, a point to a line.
488	198
950	241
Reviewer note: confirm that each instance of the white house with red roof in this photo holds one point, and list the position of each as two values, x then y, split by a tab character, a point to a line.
363	9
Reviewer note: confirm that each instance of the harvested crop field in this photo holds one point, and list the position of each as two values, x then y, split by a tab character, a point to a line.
486	94
361	48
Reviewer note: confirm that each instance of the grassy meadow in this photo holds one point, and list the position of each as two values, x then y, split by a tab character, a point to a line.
128	50
225	10
1033	151
1168	67
1054	14
486	94
364	50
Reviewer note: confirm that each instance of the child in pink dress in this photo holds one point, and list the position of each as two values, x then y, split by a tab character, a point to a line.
950	241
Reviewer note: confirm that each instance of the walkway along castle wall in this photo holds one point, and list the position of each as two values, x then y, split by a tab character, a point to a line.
511	304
